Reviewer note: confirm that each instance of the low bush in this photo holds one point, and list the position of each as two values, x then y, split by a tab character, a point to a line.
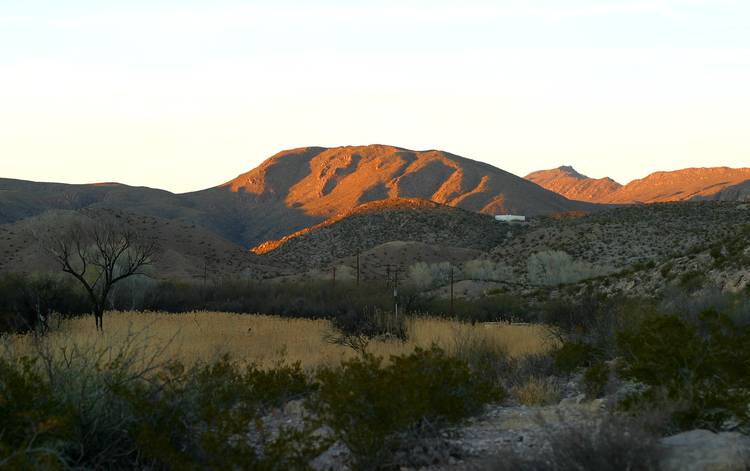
573	355
555	267
33	424
702	362
356	329
595	379
536	391
692	281
200	418
371	405
99	408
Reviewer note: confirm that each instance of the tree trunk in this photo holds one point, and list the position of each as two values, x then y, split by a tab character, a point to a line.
99	317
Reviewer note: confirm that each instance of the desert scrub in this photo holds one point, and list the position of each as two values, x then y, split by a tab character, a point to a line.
102	408
702	363
33	424
595	379
536	391
692	281
200	418
372	406
573	355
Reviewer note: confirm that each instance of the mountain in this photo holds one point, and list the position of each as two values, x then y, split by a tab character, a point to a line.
317	183
722	183
299	188
681	185
568	182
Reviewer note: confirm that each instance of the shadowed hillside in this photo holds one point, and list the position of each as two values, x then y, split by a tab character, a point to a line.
443	229
185	250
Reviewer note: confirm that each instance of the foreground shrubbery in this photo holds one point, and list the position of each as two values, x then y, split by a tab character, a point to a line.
118	409
688	359
700	365
374	408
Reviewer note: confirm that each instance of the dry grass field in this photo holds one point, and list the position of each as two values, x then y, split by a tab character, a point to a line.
265	340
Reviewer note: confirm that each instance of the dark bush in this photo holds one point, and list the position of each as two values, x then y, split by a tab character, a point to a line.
701	362
33	425
27	302
199	418
692	281
573	355
357	329
595	379
370	406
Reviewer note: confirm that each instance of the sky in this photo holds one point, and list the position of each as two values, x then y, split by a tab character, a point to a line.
185	95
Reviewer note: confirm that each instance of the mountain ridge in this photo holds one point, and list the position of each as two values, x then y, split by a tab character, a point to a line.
298	188
692	183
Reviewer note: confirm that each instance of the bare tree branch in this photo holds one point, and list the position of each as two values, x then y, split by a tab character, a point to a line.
98	252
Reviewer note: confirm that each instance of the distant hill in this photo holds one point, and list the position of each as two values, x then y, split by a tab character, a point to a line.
719	183
186	251
622	237
425	231
568	182
299	188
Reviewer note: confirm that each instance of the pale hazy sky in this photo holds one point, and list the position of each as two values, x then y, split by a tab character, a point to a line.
184	95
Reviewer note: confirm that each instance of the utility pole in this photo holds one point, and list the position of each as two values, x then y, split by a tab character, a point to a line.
395	293
451	290
357	266
333	266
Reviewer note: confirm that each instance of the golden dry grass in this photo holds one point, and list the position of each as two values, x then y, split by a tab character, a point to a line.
537	392
203	336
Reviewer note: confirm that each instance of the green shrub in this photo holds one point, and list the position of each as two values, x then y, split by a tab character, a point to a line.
595	379
692	281
33	425
198	418
666	270
370	405
702	363
573	355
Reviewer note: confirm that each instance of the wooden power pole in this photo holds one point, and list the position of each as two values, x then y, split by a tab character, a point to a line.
451	290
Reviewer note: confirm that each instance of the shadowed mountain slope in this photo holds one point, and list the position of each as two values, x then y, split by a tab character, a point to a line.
376	223
185	250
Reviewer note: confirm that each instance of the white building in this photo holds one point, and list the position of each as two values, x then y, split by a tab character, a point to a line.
510	218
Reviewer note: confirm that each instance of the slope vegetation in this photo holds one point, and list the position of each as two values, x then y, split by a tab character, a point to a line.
435	233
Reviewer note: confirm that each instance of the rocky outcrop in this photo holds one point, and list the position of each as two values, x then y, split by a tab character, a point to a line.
703	450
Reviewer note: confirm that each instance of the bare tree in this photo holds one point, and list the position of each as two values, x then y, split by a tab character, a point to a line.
98	253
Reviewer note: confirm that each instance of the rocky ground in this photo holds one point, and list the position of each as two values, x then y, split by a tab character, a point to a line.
507	429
